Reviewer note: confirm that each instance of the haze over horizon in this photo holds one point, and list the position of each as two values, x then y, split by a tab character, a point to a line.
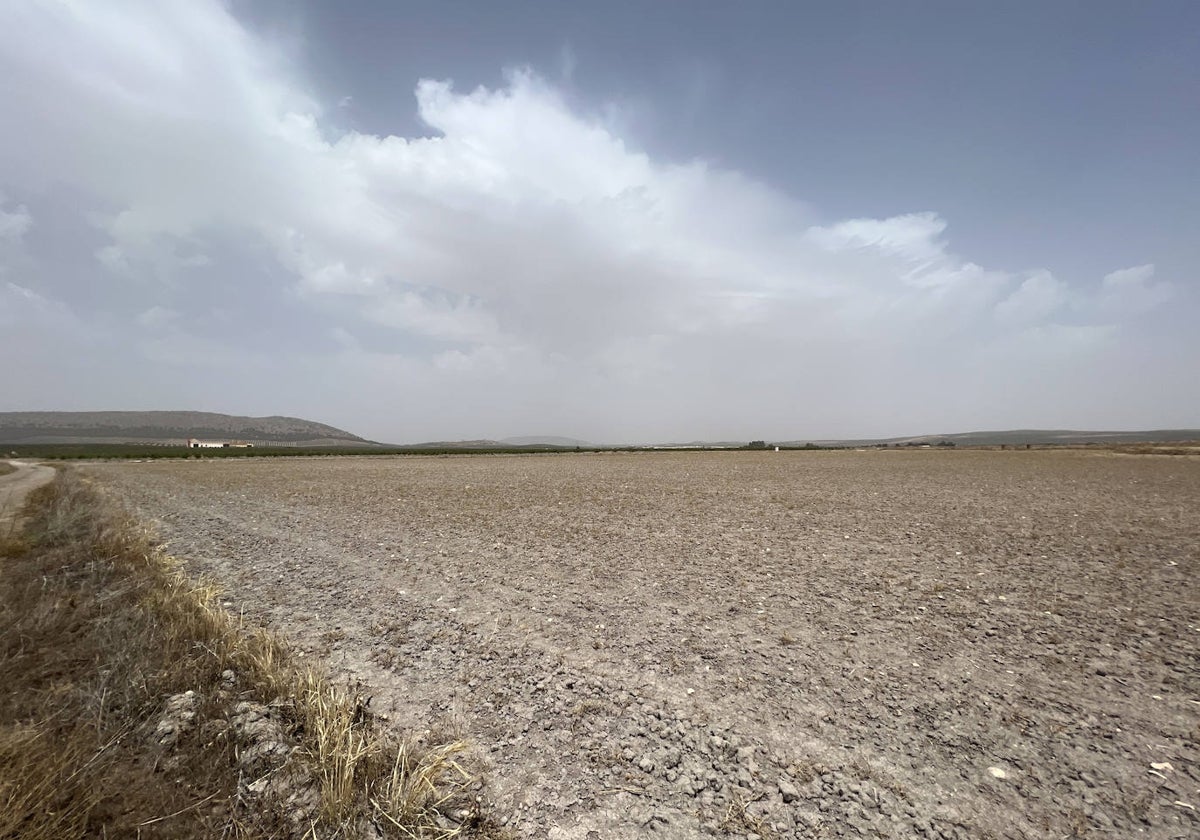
689	221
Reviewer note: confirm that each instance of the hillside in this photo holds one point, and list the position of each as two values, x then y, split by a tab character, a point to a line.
1020	437
166	427
1007	437
544	440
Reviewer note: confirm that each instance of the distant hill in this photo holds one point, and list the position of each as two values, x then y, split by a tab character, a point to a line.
530	443
166	427
1009	437
1020	437
544	440
455	444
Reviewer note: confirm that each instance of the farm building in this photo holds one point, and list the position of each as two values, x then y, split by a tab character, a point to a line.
195	443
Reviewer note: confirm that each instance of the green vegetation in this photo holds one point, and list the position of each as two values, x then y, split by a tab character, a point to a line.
135	706
93	451
89	451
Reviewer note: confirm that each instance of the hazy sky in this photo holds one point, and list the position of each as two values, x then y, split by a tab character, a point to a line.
613	221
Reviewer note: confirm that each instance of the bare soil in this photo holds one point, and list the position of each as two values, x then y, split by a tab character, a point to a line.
850	644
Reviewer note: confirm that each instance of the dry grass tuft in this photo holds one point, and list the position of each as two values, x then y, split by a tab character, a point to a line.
738	820
100	634
50	796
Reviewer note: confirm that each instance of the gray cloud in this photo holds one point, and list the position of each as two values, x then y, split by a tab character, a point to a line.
521	268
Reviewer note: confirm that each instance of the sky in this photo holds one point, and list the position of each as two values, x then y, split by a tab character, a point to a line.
619	222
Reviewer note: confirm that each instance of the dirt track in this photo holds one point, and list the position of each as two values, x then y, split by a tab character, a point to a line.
876	644
14	488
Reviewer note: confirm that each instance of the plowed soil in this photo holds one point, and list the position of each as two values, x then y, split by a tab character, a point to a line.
819	644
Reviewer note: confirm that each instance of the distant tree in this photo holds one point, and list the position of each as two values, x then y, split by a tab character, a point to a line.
757	444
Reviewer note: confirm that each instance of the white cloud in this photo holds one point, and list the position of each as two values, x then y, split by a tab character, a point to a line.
1039	296
14	223
915	237
26	308
157	317
27	295
1130	291
520	231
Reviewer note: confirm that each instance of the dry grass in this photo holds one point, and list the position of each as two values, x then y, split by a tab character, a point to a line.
738	820
98	630
6	468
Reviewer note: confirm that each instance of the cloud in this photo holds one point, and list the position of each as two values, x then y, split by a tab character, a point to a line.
1130	291
157	317
13	223
521	242
914	238
567	62
1038	297
25	310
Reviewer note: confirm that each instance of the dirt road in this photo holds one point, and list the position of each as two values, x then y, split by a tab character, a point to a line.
877	644
14	488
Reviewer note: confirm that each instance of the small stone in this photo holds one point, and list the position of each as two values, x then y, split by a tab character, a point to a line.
788	791
997	773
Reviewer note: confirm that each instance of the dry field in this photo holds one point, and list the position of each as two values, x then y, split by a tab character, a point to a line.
843	644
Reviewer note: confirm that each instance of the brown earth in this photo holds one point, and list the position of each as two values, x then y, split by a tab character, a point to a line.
875	644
